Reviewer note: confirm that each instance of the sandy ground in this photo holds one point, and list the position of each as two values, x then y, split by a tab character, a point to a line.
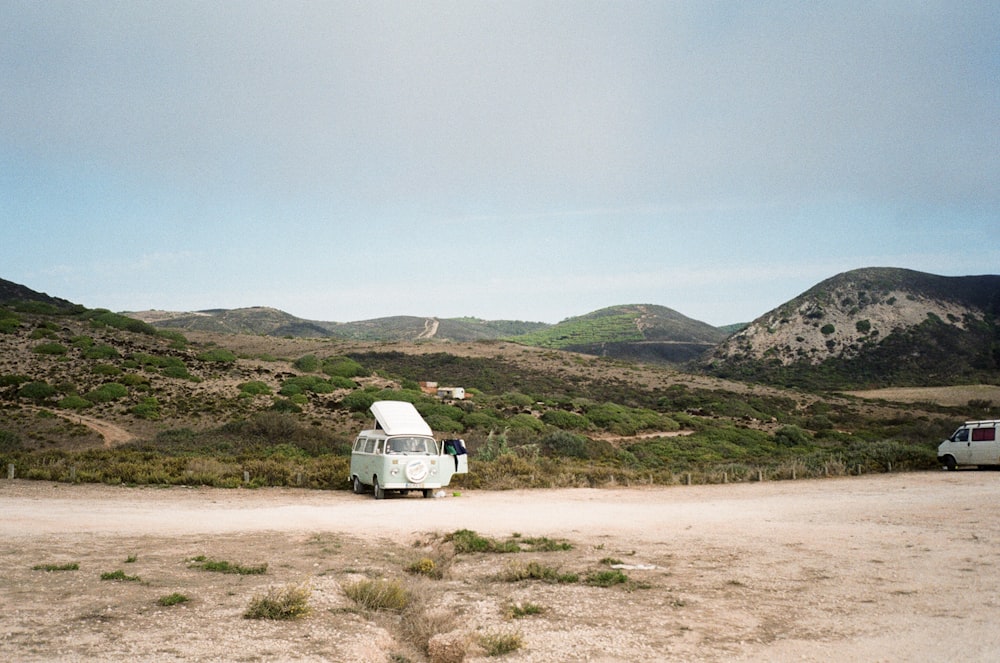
896	567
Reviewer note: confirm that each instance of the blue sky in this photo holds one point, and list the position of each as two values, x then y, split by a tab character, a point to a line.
505	160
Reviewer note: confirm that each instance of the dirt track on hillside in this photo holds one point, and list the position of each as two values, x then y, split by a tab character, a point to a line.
882	568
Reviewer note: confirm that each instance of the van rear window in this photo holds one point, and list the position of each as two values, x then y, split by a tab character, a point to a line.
984	434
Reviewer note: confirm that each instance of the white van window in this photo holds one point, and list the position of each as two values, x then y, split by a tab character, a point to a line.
961	435
359	444
408	445
370	446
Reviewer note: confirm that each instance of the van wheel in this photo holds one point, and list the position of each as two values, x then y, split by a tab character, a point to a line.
379	492
950	464
358	488
428	493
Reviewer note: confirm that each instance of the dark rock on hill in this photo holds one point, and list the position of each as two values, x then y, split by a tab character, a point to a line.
11	293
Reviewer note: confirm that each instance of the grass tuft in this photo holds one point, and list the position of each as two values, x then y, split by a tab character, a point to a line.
71	566
520	571
172	599
119	575
222	566
289	602
521	610
375	595
607	578
499	643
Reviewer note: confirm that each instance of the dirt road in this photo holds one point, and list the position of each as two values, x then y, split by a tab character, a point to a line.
883	568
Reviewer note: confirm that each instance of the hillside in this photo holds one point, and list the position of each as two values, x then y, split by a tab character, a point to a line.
90	395
273	322
873	327
647	333
639	332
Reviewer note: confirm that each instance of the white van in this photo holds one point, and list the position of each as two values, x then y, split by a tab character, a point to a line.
974	443
400	453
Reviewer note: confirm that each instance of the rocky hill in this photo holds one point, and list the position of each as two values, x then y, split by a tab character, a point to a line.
874	326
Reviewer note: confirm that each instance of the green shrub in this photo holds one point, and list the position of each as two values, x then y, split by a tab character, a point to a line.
222	566
218	356
521	571
50	349
791	436
37	391
74	402
344	367
425	566
358	401
565	420
106	393
521	610
290	602
101	351
177	339
467	541
307	364
827	329
172	599
119	575
10	441
607	578
106	369
148	408
71	566
561	443
9	323
103	317
255	388
12	379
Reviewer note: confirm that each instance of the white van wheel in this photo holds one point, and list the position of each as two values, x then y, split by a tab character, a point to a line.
358	488
950	464
379	492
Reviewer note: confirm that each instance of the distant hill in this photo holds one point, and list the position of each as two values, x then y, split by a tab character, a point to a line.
637	332
13	293
641	332
273	322
873	326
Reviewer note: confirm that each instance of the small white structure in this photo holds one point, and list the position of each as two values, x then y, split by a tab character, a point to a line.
453	393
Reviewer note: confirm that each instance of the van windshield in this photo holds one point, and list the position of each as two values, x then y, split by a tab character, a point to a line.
411	445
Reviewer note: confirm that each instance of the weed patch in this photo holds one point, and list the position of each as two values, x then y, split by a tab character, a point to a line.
172	599
498	643
375	595
521	610
222	566
71	566
519	571
289	602
119	575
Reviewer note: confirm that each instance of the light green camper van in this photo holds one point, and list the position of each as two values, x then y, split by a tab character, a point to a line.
401	454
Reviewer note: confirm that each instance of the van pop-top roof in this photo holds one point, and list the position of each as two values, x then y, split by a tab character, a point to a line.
399	418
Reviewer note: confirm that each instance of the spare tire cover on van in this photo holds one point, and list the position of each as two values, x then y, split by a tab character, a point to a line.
417	471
